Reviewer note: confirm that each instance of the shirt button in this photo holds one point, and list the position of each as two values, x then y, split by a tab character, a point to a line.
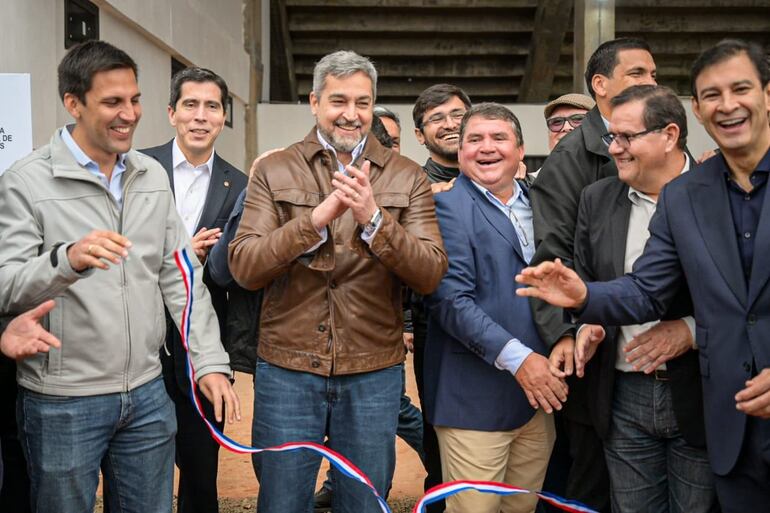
747	197
747	366
321	328
751	319
747	235
315	364
333	284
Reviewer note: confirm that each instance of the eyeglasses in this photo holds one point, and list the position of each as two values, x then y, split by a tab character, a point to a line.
435	119
624	140
518	226
556	123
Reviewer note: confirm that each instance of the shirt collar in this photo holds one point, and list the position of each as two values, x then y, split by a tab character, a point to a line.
77	152
518	194
177	158
763	166
354	154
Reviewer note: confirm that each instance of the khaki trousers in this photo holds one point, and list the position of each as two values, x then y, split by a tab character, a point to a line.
518	457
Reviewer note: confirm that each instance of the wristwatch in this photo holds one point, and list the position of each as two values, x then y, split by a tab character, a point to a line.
374	223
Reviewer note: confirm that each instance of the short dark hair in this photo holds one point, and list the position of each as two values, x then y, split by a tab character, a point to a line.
661	107
380	133
434	96
605	58
726	49
198	75
385	112
489	110
77	69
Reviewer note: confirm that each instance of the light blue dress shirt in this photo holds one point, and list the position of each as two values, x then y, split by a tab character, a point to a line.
519	212
115	182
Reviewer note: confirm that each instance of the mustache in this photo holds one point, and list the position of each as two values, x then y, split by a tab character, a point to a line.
355	124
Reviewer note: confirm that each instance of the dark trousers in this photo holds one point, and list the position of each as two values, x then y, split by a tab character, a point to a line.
429	439
14	492
197	454
747	486
588	480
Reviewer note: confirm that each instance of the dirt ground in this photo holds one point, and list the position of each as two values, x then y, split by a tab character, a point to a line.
236	476
238	487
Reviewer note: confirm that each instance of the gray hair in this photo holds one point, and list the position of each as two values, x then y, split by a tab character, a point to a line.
384	112
341	64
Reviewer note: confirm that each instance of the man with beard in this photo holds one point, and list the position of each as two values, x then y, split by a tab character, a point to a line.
437	114
332	227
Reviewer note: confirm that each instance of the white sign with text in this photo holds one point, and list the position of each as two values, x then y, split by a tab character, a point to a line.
15	118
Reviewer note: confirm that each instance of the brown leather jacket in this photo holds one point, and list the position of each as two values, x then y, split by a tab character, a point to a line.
338	309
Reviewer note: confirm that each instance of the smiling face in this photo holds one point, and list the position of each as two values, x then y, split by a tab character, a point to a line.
490	155
641	162
106	121
733	106
344	110
198	117
440	132
634	67
564	111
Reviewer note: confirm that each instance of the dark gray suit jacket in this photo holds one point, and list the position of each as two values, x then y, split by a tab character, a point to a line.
600	251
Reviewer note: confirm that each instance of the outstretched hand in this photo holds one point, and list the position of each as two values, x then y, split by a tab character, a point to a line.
25	336
554	283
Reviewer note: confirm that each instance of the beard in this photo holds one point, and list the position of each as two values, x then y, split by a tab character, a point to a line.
434	147
342	144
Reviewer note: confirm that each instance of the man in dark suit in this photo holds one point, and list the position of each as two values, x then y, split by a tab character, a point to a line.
488	387
712	229
580	159
205	189
645	389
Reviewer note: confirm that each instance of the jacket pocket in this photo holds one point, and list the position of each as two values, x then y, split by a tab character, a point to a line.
393	202
292	203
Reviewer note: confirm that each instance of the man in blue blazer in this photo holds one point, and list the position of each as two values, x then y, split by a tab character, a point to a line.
489	388
712	228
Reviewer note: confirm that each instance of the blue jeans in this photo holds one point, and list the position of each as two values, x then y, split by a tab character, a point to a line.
131	435
357	413
409	427
652	467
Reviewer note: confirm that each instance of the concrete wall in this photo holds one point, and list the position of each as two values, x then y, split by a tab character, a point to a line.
197	32
281	125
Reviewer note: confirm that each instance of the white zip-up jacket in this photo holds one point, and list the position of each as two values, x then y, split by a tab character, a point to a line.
111	323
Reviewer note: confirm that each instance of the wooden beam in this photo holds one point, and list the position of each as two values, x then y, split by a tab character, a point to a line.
283	84
450	22
700	21
594	24
427	4
419	45
551	23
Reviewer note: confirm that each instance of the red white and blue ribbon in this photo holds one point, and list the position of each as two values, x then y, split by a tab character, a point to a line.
342	464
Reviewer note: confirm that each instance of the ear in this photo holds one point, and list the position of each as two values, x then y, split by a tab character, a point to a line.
420	137
72	104
696	109
313	103
672	135
171	115
520	150
599	85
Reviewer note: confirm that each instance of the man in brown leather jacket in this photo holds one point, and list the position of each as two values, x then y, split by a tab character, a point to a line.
332	226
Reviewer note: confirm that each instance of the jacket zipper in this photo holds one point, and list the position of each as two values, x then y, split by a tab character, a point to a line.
123	281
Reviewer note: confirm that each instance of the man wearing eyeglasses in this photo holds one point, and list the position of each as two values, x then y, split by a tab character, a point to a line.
562	116
580	159
645	391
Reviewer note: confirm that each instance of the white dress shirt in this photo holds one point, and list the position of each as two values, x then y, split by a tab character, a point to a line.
191	184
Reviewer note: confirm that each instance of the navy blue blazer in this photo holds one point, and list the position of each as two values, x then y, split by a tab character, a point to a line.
692	237
472	316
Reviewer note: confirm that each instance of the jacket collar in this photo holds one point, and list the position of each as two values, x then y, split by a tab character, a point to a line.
592	130
64	164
